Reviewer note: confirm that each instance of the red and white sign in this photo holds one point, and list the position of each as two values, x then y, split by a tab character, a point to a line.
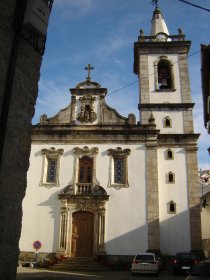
37	245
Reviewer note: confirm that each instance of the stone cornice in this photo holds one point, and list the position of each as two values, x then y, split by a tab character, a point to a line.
93	134
183	106
162	45
99	129
93	91
172	140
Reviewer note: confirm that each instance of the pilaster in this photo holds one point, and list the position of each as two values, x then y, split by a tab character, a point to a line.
184	78
101	232
152	196
193	195
144	78
188	121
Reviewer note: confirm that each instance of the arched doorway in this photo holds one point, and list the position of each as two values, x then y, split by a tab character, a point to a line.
82	234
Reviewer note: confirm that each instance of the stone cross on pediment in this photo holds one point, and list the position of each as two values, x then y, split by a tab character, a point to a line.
89	67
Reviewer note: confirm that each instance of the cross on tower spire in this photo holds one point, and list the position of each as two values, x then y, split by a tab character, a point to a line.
155	2
89	67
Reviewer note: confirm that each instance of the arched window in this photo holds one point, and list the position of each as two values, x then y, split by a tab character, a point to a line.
84	177
171	177
164	75
169	154
85	170
167	122
171	207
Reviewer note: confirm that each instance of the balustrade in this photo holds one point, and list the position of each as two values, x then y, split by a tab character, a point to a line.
84	188
179	37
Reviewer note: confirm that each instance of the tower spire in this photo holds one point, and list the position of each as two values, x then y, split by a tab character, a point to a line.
158	24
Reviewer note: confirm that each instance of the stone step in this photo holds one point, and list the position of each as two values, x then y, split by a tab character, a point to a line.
78	264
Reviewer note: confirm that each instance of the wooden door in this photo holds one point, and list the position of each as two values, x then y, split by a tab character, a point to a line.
82	234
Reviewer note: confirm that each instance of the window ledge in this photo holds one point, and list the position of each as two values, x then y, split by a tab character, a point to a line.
171	212
49	185
165	90
119	186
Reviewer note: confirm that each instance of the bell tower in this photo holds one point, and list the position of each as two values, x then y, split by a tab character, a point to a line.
160	61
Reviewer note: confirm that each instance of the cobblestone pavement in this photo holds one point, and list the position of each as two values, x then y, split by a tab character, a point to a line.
40	274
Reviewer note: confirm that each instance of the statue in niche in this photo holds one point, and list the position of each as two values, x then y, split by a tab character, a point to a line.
87	113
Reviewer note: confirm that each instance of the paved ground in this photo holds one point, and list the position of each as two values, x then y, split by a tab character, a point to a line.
40	274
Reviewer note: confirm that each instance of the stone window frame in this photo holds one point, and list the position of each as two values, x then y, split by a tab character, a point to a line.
167	122
48	154
86	162
171	177
171	204
116	154
169	154
171	69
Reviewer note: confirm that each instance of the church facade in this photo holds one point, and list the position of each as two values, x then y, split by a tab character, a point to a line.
100	183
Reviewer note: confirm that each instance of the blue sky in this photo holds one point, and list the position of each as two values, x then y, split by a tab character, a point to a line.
102	33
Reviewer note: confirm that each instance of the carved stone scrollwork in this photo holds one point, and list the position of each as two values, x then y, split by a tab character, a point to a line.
119	152
83	204
86	151
52	151
87	113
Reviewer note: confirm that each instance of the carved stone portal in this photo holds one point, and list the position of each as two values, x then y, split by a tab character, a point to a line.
87	113
69	240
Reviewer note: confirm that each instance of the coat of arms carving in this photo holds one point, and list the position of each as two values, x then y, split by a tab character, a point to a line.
87	113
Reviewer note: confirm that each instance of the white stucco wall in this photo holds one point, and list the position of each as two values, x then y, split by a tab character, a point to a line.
40	209
125	226
176	118
126	230
174	228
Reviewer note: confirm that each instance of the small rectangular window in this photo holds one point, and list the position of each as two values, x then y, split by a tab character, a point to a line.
51	170
118	176
50	167
119	171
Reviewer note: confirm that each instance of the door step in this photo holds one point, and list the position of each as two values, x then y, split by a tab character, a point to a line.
78	264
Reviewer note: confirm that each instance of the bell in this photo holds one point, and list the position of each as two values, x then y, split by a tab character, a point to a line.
164	84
